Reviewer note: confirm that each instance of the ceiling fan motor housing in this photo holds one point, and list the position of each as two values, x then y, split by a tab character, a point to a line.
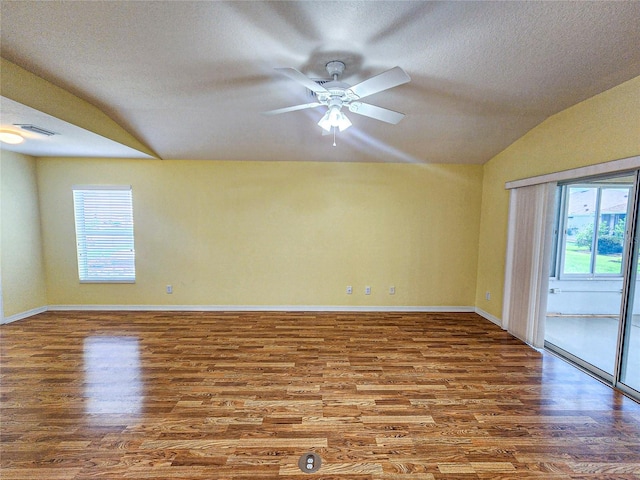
336	90
338	93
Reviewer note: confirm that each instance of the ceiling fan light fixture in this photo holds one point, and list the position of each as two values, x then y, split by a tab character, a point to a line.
334	118
343	122
324	122
11	138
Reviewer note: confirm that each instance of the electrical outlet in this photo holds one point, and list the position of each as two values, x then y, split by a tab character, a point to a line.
392	290
367	290
349	290
169	289
487	296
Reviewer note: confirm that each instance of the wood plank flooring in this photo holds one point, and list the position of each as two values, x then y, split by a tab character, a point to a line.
244	395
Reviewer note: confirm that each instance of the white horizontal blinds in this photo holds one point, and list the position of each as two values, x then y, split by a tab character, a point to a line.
104	233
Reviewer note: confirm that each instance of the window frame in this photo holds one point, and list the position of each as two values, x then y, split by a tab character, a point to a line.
560	245
124	236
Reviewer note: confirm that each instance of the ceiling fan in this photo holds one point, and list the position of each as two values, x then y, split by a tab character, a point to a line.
335	95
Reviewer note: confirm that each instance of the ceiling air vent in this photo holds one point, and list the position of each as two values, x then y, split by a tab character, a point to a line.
320	82
35	129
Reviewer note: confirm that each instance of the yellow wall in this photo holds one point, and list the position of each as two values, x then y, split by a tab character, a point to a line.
289	233
251	233
21	266
603	128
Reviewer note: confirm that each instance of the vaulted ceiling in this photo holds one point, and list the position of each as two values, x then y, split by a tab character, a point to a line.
189	79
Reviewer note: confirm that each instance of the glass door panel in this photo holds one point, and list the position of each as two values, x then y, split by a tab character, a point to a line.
630	364
585	294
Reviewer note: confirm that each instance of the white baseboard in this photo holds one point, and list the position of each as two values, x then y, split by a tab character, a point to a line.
21	315
488	316
259	308
252	308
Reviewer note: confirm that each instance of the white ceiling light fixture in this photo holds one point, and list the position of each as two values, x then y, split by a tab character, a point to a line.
12	138
334	118
335	95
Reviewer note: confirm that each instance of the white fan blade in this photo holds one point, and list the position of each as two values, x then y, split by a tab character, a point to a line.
292	109
379	113
302	79
389	79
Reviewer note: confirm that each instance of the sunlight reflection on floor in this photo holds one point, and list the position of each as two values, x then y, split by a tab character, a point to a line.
113	381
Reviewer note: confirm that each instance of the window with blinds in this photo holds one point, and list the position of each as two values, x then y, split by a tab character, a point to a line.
104	234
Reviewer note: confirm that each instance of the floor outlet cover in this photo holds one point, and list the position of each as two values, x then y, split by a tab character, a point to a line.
309	462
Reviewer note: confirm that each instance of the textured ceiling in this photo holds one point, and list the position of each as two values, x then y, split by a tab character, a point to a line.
190	79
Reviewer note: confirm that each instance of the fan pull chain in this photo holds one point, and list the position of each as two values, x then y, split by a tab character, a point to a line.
334	136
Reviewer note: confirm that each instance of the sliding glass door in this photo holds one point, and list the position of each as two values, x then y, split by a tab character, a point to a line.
594	277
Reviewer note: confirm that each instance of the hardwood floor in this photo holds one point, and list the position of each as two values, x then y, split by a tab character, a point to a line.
243	396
